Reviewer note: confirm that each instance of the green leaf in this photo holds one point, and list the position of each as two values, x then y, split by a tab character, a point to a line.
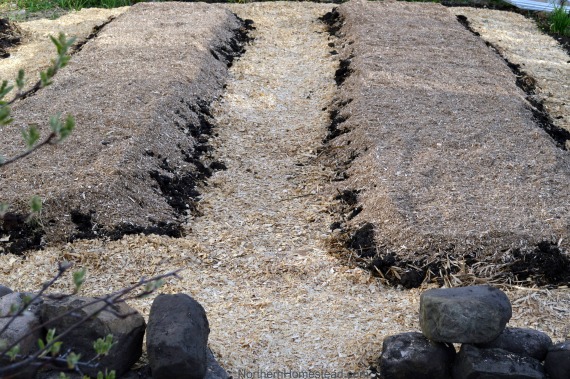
57	43
63	61
13	352
79	278
31	136
3	208
150	287
62	375
55	123
41	344
107	375
44	79
5	89
20	80
103	346
26	300
72	360
5	118
67	128
36	204
14	308
55	348
50	335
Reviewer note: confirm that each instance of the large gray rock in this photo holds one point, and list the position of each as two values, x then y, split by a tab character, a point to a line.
26	327
214	370
526	342
177	338
4	290
474	363
411	355
557	363
16	300
125	324
476	314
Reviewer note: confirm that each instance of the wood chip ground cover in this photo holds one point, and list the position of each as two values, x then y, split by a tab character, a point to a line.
258	258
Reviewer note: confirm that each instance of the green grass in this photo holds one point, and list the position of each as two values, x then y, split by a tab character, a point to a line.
43	5
559	20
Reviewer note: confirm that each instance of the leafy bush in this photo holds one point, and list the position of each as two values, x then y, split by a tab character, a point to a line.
49	353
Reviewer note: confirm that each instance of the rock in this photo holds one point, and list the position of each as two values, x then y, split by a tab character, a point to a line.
16	299
27	325
140	373
214	370
475	314
526	342
177	338
411	355
472	363
124	323
4	290
20	327
557	363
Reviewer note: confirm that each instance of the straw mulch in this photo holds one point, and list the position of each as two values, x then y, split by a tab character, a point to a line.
441	144
35	51
518	39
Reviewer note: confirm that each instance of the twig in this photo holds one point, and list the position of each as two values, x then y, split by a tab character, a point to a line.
48	140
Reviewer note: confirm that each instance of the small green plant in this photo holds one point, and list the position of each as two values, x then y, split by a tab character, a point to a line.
559	20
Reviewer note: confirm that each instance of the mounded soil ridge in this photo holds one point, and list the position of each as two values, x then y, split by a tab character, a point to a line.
139	92
439	146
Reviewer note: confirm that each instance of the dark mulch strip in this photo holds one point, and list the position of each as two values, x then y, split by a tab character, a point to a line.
9	36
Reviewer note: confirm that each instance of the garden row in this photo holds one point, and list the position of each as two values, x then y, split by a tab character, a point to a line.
441	164
140	94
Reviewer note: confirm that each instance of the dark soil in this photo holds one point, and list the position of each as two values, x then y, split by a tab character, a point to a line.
22	233
9	36
543	265
87	229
